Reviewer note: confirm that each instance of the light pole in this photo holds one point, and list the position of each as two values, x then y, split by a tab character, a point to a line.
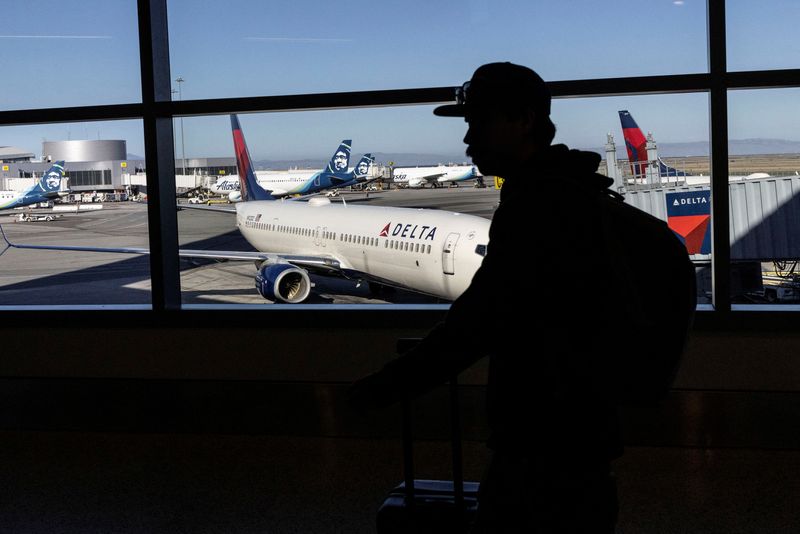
180	80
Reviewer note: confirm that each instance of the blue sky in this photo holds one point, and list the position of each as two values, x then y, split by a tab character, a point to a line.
82	52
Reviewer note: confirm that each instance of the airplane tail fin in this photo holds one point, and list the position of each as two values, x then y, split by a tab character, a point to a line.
635	143
50	182
247	178
362	168
669	172
340	161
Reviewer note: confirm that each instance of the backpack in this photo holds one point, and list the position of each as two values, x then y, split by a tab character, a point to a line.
653	274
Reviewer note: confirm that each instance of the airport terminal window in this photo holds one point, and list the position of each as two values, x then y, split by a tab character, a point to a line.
70	53
89	178
87	206
358	46
657	157
762	38
764	186
689	83
288	150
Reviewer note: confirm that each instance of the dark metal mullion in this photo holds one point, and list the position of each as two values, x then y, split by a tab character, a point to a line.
71	114
675	83
718	118
769	79
159	154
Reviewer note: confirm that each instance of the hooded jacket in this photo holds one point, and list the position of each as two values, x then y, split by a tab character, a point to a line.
538	307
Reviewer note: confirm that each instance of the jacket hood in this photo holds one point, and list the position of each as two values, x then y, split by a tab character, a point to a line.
564	166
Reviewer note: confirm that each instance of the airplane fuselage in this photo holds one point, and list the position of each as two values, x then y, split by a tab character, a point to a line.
430	251
434	175
282	183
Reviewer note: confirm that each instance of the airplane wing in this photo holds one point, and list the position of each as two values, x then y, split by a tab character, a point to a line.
205	207
322	263
431	177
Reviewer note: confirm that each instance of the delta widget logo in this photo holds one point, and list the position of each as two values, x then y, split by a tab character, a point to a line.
689	216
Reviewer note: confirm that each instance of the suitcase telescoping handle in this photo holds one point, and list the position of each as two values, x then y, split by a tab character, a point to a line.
403	345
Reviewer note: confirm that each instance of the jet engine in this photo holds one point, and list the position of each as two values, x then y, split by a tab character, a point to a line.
234	196
283	282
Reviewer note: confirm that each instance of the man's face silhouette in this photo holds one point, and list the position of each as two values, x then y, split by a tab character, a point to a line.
340	161
497	142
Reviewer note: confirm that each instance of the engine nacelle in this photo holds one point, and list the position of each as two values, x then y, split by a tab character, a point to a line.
235	196
283	282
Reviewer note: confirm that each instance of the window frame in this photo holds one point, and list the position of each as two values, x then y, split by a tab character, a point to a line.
157	111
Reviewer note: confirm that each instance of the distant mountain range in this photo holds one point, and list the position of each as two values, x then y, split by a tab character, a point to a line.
670	150
396	158
741	147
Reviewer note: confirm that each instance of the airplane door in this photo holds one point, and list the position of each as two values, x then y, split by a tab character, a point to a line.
318	233
448	254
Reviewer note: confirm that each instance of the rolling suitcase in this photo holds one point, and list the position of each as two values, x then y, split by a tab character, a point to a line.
422	506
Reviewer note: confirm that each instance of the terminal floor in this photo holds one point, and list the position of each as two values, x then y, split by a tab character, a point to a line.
69	482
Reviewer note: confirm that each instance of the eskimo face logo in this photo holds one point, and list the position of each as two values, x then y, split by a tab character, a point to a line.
340	161
362	168
53	179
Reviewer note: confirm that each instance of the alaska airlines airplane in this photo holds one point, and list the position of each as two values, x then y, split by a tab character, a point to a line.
429	251
436	176
47	188
277	182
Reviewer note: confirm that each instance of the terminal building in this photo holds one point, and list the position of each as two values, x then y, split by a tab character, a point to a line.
102	166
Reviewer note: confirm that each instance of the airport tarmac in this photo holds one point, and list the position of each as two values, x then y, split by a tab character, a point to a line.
53	278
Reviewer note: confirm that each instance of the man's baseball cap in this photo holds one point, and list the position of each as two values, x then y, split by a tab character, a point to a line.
499	84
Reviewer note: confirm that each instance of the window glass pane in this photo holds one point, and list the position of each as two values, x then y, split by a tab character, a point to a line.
762	35
764	187
287	150
665	172
69	53
270	48
90	207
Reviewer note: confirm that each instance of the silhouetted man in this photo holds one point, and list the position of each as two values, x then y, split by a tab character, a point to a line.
540	307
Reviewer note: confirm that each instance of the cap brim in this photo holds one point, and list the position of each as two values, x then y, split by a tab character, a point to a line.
450	110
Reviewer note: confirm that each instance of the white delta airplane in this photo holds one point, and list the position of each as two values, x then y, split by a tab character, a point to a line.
47	188
429	251
303	182
436	176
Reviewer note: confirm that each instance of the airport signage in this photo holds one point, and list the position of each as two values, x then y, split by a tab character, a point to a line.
411	231
689	216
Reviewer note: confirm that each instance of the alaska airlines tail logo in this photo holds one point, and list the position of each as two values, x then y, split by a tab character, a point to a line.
385	231
362	169
341	158
51	180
